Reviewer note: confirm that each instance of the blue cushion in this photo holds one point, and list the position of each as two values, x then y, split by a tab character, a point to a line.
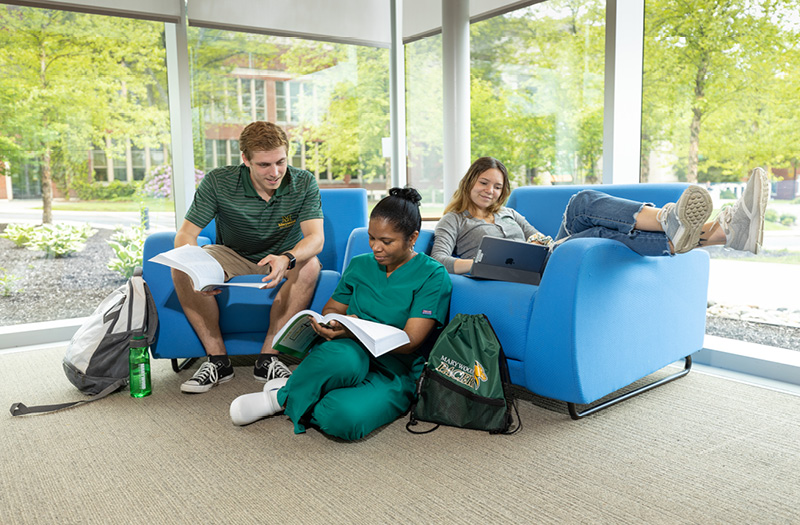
345	209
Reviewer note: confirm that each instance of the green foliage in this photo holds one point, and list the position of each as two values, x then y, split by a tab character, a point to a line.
537	91
70	80
338	95
59	240
717	74
787	219
727	194
19	234
771	215
93	191
128	246
6	283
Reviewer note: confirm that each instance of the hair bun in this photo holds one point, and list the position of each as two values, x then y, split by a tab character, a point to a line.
408	193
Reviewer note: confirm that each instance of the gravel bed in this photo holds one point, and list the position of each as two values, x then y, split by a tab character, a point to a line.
761	333
73	286
56	288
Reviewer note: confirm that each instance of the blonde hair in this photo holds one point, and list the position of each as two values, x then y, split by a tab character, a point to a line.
262	136
461	201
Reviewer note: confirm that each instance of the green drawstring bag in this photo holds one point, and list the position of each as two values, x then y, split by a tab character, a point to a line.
465	382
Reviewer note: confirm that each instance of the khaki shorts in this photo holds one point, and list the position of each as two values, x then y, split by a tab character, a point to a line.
234	264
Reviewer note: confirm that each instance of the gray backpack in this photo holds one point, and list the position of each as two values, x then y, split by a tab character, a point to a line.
96	361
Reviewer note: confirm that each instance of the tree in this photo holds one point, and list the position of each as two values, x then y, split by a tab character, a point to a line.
72	86
717	74
537	89
424	113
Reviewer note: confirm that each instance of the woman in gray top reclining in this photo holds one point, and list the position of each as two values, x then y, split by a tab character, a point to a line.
477	210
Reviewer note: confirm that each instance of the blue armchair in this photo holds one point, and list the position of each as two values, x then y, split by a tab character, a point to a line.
244	313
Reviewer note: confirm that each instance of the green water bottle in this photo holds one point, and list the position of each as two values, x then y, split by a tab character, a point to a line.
139	359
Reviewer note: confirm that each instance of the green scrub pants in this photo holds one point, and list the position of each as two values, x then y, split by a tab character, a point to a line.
345	392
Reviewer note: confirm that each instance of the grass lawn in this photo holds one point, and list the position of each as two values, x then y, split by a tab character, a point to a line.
775	226
769	256
115	205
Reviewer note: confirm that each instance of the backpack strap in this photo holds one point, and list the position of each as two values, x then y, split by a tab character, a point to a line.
151	316
505	378
20	409
138	288
412	420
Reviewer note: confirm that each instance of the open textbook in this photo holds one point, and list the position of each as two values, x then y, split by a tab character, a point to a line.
297	335
205	271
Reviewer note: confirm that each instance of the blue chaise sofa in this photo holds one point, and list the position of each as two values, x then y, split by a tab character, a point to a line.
603	316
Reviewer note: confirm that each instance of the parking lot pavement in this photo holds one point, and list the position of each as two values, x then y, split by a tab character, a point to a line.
29	211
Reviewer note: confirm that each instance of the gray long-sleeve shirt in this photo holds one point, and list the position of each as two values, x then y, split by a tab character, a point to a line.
458	235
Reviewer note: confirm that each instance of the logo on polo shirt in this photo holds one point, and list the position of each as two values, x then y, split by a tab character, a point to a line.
286	222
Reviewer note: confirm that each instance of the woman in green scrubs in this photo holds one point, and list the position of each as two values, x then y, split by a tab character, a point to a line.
340	387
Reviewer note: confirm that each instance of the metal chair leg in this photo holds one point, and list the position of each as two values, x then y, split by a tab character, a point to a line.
575	414
177	367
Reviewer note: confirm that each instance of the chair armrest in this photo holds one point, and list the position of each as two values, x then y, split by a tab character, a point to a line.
605	317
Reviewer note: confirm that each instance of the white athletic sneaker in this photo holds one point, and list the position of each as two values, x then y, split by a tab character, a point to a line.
743	223
683	221
252	407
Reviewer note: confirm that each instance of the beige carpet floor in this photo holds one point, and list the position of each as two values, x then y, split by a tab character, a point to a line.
700	450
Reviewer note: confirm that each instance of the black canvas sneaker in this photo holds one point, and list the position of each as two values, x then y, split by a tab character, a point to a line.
208	375
266	369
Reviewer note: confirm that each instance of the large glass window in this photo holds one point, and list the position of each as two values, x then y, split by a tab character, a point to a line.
425	122
280	102
333	95
717	76
719	85
83	99
537	91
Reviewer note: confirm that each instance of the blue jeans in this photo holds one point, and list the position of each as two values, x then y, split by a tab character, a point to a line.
593	213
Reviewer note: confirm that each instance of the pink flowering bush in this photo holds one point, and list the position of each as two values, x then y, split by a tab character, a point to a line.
158	183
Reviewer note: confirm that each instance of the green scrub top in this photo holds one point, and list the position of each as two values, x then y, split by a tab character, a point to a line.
419	288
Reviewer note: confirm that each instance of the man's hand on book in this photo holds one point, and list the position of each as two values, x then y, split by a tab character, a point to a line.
278	265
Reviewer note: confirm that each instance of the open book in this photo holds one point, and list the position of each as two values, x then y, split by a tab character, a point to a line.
297	335
205	271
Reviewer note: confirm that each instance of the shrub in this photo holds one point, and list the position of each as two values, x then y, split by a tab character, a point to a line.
101	191
19	234
6	286
158	183
787	219
727	194
771	215
58	240
128	246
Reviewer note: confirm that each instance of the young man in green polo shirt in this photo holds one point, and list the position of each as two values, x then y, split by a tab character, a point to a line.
269	221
